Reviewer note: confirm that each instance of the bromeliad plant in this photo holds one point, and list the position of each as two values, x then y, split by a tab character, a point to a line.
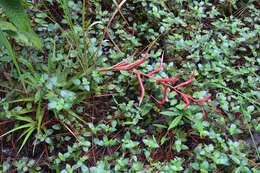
168	84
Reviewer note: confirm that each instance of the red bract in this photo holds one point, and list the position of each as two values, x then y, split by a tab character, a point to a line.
165	82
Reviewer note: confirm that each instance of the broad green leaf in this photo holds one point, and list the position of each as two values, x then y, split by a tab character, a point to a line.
137	166
7	26
175	122
151	143
16	14
22	38
163	139
129	144
6	166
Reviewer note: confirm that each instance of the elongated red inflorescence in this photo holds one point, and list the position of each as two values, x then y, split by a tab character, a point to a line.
121	67
165	82
123	63
117	67
203	99
192	78
152	73
136	64
157	70
164	99
171	80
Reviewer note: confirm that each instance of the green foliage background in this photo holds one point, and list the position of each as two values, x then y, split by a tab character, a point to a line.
67	116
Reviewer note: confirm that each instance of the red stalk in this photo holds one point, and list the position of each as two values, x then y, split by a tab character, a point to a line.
121	67
118	66
186	99
203	99
161	102
185	83
157	70
138	74
136	64
171	80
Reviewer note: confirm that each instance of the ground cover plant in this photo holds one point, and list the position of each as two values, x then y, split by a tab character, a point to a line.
99	86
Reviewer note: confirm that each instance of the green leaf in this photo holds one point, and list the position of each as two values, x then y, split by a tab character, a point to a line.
130	144
24	118
160	126
29	132
151	143
15	129
175	122
21	38
16	14
137	166
39	117
5	43
76	116
169	113
6	166
26	131
7	26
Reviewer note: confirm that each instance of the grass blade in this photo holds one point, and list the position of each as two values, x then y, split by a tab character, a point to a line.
5	43
15	129
26	119
30	131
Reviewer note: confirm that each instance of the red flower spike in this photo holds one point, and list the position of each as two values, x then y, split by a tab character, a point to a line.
203	99
117	67
121	67
185	83
157	70
138	74
104	69
154	72
163	80
164	95
124	65
136	64
161	62
186	99
161	102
